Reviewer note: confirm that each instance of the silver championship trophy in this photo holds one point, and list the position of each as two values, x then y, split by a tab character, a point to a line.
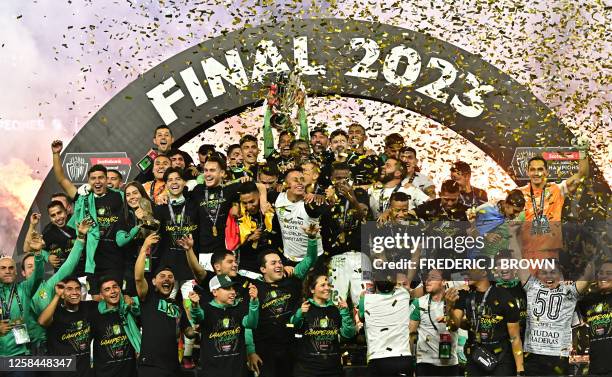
285	90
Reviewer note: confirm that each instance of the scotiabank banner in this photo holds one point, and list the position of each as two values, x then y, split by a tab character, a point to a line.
76	165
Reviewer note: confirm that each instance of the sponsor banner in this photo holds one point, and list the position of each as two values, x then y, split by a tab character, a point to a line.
562	161
76	165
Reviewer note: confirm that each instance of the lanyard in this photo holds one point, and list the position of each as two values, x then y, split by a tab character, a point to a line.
434	324
537	214
481	307
472	203
214	221
411	179
6	306
152	193
381	204
173	217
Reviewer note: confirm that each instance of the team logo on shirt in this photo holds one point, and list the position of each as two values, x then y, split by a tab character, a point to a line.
101	211
225	335
226	323
43	294
273	294
116	329
322	332
324	322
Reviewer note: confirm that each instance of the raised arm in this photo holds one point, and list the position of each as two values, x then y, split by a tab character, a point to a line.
347	330
142	287
303	267
45	319
34	220
68	187
197	314
301	96
583	166
198	271
31	283
252	318
267	131
514	245
585	280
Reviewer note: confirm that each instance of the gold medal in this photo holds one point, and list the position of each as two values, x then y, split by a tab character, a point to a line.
215	231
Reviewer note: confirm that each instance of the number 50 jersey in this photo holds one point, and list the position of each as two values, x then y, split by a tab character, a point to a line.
549	318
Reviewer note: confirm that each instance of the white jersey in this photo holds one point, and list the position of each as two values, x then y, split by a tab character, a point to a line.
429	333
292	217
549	318
387	317
379	198
420	181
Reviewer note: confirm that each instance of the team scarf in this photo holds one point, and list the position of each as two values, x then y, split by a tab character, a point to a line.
127	314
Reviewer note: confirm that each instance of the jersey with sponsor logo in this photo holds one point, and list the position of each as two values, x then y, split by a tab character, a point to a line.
597	309
549	318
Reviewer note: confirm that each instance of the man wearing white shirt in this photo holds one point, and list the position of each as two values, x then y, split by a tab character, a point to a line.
391	176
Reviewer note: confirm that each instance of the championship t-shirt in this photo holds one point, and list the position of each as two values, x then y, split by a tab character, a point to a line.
549	318
176	222
488	325
597	308
278	302
161	320
319	347
113	353
223	350
419	180
70	334
109	210
380	198
292	217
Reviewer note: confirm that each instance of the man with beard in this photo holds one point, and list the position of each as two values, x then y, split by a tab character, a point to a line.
445	208
413	176
364	165
270	348
391	175
491	222
293	215
470	196
163	140
338	153
15	300
597	309
161	318
105	207
116	337
551	303
214	202
319	141
250	151
115	179
300	152
156	188
492	321
66	319
341	233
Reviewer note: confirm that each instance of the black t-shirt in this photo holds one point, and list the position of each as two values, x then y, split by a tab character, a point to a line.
161	320
474	198
340	231
597	308
213	206
109	211
364	168
185	222
131	250
433	211
223	350
113	353
59	241
498	312
319	347
70	334
278	302
520	301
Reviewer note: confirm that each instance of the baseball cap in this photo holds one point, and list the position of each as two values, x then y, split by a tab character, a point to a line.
220	281
462	167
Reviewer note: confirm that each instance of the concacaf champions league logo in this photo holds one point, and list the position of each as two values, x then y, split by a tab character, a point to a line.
76	168
225	335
